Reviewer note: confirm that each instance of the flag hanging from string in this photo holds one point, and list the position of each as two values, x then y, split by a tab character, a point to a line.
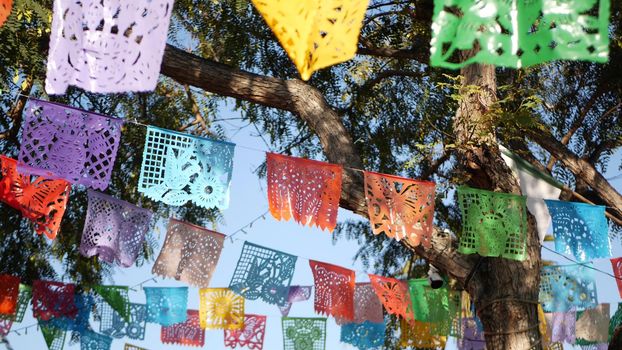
580	229
592	325
53	300
9	295
401	208
519	34
90	340
304	189
252	336
472	334
5	10
107	47
433	305
178	168
394	295
561	326
60	141
78	323
367	306
308	331
166	305
42	201
23	300
616	263
420	335
54	338
616	321
185	333
364	336
116	297
263	273
114	229
296	294
567	287
493	224
190	253
334	290
114	325
315	34
220	308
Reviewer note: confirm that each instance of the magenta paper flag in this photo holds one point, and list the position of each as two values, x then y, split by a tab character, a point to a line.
63	142
251	336
185	333
107	46
114	229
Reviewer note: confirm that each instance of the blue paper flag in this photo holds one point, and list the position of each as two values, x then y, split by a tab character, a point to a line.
80	324
114	325
366	335
179	168
563	288
263	273
90	340
167	305
580	229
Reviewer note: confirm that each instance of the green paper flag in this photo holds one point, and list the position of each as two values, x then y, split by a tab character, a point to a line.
518	33
438	306
493	224
54	337
117	298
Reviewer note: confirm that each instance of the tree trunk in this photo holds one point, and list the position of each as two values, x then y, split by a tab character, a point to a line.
505	291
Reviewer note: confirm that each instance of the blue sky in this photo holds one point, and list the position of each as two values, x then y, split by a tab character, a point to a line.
248	201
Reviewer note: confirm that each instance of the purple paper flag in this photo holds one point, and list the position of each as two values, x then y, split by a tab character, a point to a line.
561	325
107	46
60	141
296	294
114	229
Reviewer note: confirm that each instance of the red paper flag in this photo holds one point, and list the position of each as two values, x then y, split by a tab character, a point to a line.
53	300
334	290
401	208
394	295
5	10
306	189
616	263
251	336
9	294
186	333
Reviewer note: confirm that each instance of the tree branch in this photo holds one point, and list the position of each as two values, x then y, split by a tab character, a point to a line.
309	104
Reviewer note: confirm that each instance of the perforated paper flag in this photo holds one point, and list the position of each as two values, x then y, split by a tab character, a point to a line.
107	46
54	337
296	294
367	306
493	224
190	253
132	347
53	299
166	305
401	208
114	229
593	325
186	333
472	335
420	335
23	301
60	141
334	290
5	10
94	341
615	321
179	168
77	323
304	189
617	272
9	294
263	273
42	201
561	325
304	333
5	326
114	325
519	33
115	297
366	335
567	287
251	337
220	308
580	229
433	305
394	295
315	34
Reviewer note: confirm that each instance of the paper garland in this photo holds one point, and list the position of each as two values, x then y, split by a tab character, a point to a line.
5	10
179	168
107	47
190	253
59	141
9	294
364	336
186	333
304	333
565	287
166	305
53	300
334	290
493	224
252	336
394	295
304	189
315	34
401	208
114	229
263	273
519	33
580	229
41	200
220	308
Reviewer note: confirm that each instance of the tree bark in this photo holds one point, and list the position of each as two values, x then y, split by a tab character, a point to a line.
505	291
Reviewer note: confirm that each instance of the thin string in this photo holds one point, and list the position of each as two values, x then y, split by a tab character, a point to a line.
586	264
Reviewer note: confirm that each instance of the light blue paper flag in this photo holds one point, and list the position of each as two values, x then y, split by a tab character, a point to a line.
580	229
166	305
179	168
563	288
90	340
364	336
